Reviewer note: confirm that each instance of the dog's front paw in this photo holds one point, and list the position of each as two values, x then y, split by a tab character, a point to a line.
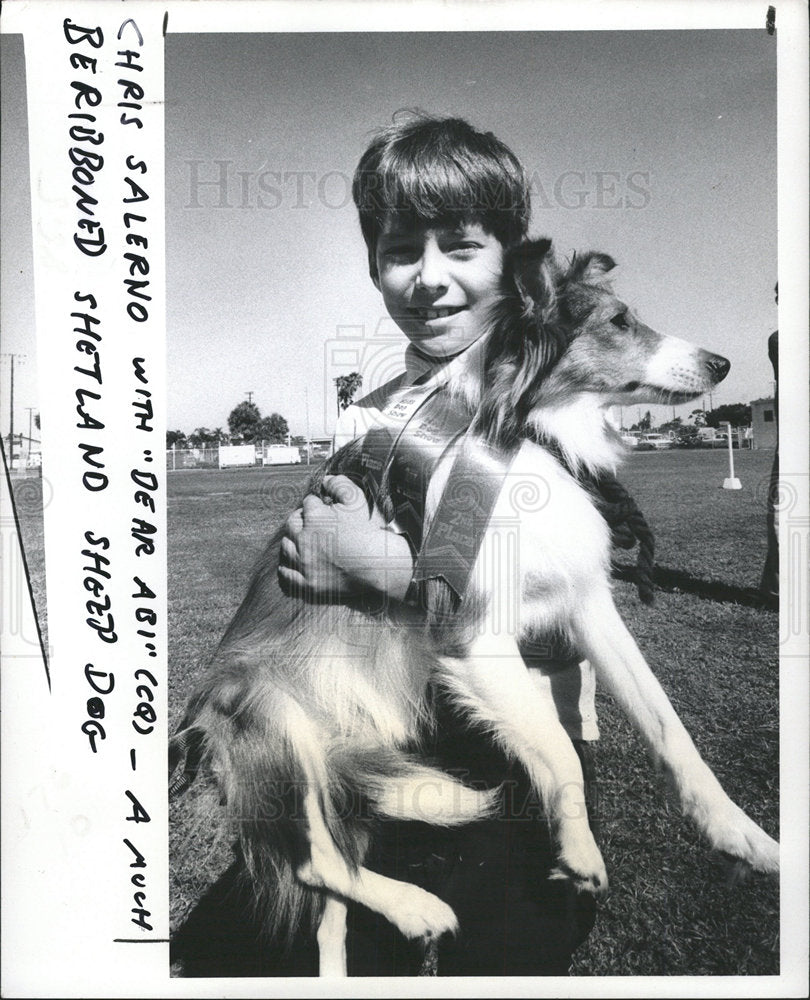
419	914
744	844
582	864
309	876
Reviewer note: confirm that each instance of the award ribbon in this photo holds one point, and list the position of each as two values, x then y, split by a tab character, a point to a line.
454	538
403	459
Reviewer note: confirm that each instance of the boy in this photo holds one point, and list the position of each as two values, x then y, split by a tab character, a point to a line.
439	203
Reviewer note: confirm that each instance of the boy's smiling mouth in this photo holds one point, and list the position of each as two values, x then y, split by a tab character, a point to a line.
428	313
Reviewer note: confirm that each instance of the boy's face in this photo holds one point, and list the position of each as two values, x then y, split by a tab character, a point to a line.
437	283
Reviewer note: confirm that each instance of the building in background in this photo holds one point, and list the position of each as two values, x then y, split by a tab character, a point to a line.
763	422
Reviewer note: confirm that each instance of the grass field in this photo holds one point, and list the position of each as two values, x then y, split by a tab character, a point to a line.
27	491
669	911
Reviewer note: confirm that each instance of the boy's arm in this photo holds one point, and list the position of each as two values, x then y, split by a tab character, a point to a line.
337	550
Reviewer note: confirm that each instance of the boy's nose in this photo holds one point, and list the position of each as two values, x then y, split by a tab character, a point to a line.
431	275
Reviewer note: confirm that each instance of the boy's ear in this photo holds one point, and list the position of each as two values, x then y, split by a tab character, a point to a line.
374	274
529	265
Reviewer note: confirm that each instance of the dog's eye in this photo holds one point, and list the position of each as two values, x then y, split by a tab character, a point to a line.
620	321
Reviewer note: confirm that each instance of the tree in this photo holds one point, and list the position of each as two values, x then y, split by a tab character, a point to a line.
347	386
699	417
644	424
736	414
687	435
177	438
36	422
243	421
273	429
202	438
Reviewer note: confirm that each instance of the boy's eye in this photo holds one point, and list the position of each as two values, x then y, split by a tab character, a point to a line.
406	251
401	253
464	247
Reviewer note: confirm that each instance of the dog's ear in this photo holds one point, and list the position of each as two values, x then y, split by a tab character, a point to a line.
591	268
528	342
529	266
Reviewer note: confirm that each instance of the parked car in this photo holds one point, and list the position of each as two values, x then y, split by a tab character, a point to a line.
654	442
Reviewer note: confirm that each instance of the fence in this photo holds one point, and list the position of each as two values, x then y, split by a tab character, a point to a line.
242	456
192	458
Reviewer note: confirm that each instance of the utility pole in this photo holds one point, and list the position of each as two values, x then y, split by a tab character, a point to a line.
250	396
30	423
306	406
11	418
13	357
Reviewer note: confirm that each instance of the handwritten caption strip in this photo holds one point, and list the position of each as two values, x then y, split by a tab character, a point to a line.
95	103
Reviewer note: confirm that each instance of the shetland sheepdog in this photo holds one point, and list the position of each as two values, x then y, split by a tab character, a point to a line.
309	719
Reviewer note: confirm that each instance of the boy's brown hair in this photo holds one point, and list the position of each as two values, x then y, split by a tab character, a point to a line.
428	170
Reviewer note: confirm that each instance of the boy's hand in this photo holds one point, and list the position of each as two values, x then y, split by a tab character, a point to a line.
336	550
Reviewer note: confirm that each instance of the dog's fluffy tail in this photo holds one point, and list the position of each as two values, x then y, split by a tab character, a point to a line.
397	786
260	771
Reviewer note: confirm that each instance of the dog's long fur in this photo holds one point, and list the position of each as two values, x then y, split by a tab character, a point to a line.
310	716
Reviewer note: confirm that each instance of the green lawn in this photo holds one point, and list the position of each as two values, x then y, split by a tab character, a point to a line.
669	911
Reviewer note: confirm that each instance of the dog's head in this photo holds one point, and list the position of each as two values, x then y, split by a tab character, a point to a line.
560	331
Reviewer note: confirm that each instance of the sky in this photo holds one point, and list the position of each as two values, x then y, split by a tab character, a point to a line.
658	148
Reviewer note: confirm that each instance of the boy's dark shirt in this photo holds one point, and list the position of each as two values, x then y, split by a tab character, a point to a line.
494	874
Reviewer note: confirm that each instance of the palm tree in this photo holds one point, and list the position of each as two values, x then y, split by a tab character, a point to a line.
347	386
